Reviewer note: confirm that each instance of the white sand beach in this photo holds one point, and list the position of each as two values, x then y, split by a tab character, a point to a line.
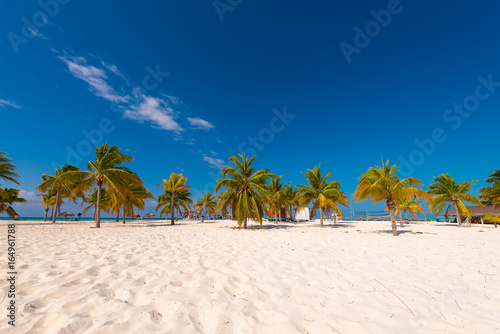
150	277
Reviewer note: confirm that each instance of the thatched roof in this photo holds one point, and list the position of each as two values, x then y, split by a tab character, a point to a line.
478	211
66	214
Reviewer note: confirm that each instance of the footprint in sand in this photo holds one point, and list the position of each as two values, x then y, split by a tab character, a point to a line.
94	271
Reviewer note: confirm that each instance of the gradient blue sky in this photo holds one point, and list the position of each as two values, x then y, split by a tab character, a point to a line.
86	64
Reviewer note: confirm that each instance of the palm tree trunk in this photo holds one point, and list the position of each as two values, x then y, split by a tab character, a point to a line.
98	206
393	221
52	212
46	213
57	202
124	213
335	217
401	219
459	219
172	210
321	215
117	215
245	223
203	217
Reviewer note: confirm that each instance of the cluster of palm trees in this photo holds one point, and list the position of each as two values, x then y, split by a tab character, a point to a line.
9	196
106	186
244	191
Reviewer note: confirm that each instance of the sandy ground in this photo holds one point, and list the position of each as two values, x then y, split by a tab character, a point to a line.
150	277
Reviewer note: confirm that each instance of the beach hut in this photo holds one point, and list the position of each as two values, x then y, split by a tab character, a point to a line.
302	215
477	211
135	215
149	215
66	214
274	216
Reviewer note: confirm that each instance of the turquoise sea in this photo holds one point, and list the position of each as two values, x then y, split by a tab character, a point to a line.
69	219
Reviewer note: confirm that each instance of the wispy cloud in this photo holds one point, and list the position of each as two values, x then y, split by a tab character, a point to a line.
154	110
199	123
4	103
161	112
37	33
114	70
214	162
95	77
175	100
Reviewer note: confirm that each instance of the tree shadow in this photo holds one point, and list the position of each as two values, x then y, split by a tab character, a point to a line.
292	225
400	232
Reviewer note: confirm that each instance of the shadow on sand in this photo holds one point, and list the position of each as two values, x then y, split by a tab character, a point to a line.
400	232
292	225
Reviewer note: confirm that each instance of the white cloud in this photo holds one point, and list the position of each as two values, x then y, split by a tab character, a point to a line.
95	77
162	112
199	123
154	110
214	163
114	70
27	195
173	99
4	103
37	33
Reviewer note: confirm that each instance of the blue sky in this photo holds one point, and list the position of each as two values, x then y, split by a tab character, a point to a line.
182	85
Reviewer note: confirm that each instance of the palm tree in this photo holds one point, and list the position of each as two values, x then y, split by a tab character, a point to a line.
7	169
381	183
325	194
292	198
206	203
491	195
59	184
277	197
448	191
91	200
223	210
133	198
106	171
411	206
8	197
245	189
492	219
170	201
175	185
48	199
